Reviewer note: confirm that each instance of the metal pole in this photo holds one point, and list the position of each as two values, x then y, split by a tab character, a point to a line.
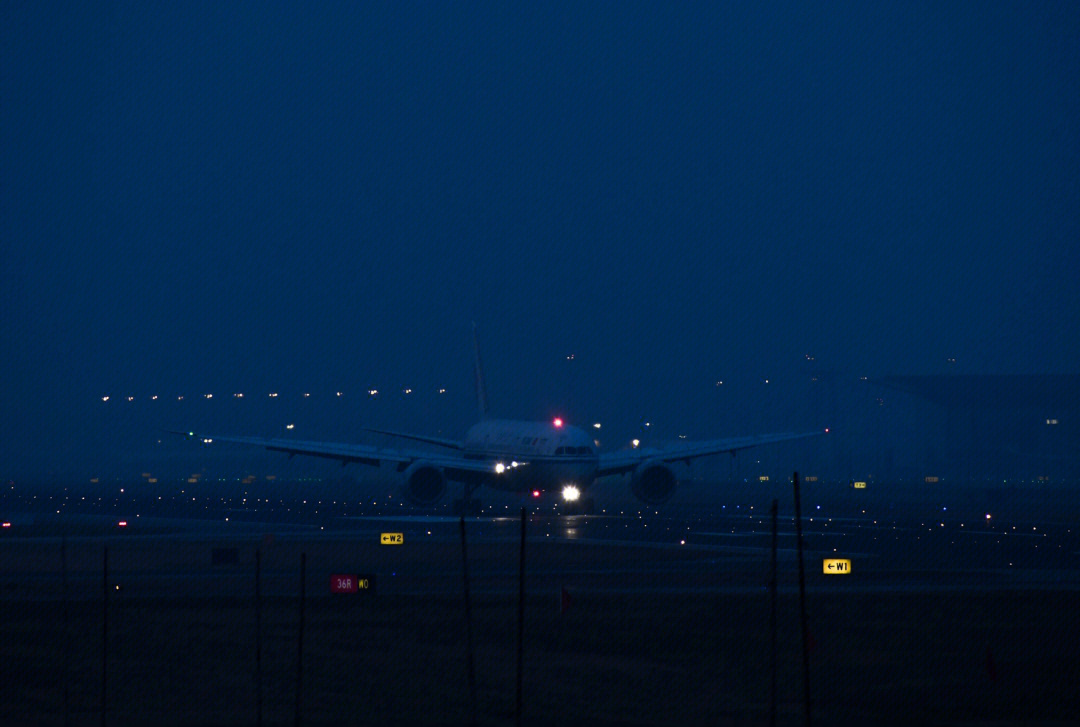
300	639
802	602
521	619
258	637
104	631
772	619
468	623
67	634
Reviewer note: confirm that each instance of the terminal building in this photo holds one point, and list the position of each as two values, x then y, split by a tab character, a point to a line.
995	429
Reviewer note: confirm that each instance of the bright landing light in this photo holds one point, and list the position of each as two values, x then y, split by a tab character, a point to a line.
570	493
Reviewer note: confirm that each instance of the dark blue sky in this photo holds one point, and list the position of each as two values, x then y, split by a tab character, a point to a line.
229	198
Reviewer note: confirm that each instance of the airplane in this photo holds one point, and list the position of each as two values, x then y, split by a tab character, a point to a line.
525	457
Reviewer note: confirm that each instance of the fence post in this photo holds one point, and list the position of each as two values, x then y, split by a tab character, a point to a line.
521	619
772	619
468	624
104	631
300	640
802	603
258	638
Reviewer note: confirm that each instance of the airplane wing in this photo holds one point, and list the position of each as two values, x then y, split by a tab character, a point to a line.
453	465
613	463
448	443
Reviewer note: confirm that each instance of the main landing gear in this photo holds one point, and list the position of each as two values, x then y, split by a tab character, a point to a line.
467	505
581	506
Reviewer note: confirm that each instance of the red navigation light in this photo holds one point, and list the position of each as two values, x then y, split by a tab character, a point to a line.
536	493
557	422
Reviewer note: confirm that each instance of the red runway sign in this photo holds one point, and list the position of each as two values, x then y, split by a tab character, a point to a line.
343	584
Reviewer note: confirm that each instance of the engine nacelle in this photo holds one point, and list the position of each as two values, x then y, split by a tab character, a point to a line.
425	484
653	482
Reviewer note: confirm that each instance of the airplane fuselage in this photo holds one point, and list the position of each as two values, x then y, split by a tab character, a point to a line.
534	455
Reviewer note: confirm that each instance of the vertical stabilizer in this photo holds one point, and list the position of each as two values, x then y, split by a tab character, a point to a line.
481	390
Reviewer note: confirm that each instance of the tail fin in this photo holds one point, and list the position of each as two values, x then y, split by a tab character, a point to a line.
481	390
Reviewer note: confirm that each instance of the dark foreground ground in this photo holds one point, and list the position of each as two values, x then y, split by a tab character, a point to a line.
946	618
607	660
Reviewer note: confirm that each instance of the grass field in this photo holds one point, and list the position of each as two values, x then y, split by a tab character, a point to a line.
655	659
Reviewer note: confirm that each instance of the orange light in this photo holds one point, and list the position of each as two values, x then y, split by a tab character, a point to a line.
557	422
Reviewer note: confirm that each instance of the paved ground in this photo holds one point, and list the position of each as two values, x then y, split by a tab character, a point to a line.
945	616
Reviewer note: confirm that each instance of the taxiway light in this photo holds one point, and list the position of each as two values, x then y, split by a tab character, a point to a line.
273	394
290	426
104	398
557	422
209	396
499	468
636	442
571	493
596	425
7	524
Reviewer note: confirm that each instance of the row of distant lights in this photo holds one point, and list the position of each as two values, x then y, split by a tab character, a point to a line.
271	395
375	392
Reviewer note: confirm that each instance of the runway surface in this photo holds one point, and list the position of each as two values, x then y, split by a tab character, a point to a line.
718	549
946	615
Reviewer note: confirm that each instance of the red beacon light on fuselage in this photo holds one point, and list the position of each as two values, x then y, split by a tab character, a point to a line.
557	422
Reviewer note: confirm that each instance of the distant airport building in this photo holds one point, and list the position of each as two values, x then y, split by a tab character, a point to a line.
997	429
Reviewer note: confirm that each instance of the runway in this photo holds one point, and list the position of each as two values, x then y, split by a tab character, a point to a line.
722	550
933	612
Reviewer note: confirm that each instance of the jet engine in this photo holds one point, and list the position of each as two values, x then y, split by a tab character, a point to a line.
425	484
653	482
